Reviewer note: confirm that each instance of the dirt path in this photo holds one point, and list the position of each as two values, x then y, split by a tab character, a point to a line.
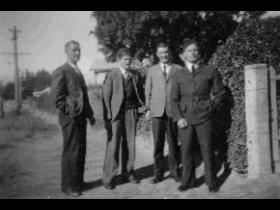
35	164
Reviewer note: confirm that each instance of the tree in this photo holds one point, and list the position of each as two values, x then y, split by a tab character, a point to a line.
28	84
142	30
1	89
43	80
9	91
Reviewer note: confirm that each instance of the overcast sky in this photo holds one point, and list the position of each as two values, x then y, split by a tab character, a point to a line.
44	34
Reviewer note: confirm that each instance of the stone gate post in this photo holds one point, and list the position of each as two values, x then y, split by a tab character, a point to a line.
258	120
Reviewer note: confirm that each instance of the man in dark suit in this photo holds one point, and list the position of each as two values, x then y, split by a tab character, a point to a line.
122	93
71	99
158	101
192	106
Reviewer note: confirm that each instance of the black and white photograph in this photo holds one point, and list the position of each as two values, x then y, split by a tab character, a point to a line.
139	104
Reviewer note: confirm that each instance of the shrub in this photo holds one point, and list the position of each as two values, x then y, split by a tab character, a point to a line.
254	41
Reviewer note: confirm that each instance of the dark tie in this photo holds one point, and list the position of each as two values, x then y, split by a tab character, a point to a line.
165	71
193	69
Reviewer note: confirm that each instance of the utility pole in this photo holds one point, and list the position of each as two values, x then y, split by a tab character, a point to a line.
16	54
17	74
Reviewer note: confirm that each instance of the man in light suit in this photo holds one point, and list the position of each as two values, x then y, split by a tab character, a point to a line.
71	99
122	93
158	101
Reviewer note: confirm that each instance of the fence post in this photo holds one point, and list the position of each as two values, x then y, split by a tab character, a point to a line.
2	111
258	120
274	119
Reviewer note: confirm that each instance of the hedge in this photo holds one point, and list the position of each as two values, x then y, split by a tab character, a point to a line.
254	41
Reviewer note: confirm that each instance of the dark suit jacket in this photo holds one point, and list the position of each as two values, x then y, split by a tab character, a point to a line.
158	90
113	93
191	94
70	95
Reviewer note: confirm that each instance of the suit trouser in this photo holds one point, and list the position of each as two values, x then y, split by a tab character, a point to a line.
165	126
122	132
74	153
204	134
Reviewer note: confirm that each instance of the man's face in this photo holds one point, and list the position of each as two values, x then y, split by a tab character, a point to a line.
125	62
73	52
163	54
191	54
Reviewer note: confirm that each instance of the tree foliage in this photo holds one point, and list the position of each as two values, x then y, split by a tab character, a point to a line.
9	91
43	80
1	89
255	41
142	30
30	82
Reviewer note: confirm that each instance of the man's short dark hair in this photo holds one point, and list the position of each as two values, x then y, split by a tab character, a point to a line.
123	52
162	45
71	42
187	43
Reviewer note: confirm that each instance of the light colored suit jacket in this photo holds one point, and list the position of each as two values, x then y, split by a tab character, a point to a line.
158	90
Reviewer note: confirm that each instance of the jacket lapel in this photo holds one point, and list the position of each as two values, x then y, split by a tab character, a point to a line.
160	73
74	74
198	70
172	72
119	79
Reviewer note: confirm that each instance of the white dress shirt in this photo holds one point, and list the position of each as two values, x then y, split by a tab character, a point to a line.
167	68
124	72
190	66
75	67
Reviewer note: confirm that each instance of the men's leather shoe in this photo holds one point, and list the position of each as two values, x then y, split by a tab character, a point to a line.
133	180
72	193
183	187
109	186
213	189
156	180
176	178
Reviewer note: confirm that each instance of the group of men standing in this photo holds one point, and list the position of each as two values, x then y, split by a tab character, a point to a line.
179	100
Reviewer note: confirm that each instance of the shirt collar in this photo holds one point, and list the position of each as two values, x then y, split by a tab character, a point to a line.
189	65
73	65
168	66
124	72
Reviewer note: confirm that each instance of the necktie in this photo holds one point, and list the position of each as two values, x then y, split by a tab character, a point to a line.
165	71
193	69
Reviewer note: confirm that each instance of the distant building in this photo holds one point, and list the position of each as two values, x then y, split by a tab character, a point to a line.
99	75
46	91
